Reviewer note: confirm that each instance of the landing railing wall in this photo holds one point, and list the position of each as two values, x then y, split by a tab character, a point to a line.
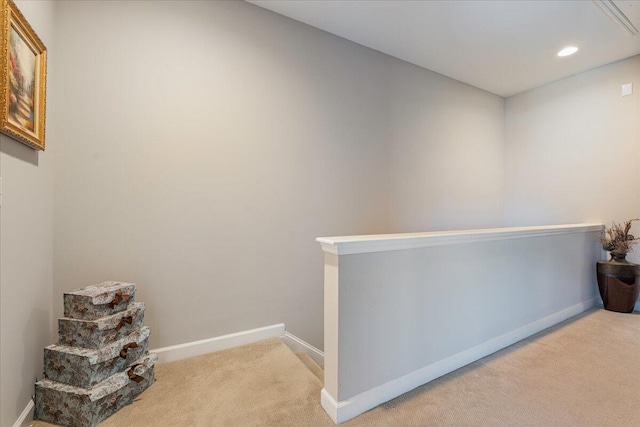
404	309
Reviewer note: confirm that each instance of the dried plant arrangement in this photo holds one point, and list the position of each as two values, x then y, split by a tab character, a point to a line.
618	240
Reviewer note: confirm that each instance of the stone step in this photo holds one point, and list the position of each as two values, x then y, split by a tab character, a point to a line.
96	301
101	332
72	406
83	367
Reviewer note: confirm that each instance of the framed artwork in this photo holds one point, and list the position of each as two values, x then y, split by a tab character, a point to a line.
23	83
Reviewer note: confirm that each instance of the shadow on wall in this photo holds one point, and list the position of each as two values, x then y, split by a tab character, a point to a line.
16	149
38	321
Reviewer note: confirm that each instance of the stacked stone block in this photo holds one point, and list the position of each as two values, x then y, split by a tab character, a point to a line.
101	362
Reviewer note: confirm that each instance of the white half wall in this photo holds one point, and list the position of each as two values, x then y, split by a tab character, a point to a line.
399	315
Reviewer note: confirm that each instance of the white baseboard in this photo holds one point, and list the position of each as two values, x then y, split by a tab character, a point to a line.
25	418
299	346
356	405
210	345
331	406
637	306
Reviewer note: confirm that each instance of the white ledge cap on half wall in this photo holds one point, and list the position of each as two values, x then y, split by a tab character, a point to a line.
347	245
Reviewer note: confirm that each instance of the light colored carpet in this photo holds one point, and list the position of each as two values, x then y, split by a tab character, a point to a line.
259	384
580	373
311	365
262	384
584	372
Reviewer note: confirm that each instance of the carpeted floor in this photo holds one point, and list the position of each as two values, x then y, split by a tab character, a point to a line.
583	372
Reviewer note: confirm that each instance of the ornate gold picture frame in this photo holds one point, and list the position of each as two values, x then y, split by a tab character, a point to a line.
23	83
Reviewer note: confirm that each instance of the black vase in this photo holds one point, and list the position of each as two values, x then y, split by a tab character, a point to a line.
619	257
619	283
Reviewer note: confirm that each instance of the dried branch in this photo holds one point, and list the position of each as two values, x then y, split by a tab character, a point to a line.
617	238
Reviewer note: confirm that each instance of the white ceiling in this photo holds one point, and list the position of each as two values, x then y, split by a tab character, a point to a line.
504	47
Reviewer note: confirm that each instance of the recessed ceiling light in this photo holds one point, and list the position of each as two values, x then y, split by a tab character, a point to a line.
570	50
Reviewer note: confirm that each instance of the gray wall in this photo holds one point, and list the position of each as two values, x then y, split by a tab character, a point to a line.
400	311
207	144
447	153
26	246
573	149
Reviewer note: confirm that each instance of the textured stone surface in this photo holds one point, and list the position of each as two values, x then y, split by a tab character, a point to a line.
85	407
97	301
100	363
100	332
83	367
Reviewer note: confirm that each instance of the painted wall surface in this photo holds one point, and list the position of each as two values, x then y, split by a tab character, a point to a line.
207	145
573	150
26	246
403	310
447	155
